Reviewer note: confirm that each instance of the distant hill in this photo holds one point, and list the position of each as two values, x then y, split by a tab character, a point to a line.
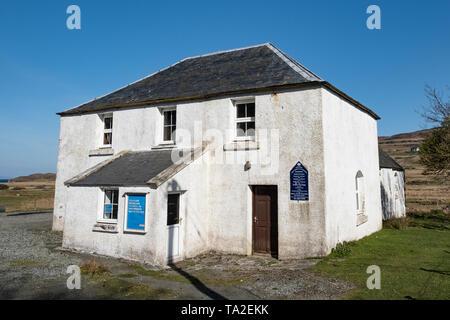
35	177
423	192
420	134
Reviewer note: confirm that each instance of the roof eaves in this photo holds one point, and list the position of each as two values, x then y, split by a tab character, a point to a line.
184	99
351	100
94	169
169	172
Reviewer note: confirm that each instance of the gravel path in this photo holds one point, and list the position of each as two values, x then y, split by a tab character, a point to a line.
32	267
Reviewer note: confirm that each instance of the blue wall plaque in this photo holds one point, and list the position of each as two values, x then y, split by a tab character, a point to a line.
136	212
299	183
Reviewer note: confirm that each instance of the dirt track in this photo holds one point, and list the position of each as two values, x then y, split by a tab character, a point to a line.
32	267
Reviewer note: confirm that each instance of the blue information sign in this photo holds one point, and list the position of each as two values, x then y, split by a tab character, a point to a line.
299	183
136	212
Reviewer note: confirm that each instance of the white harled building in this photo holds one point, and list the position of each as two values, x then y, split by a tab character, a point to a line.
242	151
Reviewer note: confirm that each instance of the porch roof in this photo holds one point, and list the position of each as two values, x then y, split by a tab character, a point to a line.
134	169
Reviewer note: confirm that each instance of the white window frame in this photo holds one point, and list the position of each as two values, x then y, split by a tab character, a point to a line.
101	215
242	120
360	193
173	140
105	131
125	219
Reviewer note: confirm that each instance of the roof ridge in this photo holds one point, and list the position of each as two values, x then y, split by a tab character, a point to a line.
299	68
226	51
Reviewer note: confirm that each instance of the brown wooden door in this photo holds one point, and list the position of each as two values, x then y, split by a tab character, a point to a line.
265	231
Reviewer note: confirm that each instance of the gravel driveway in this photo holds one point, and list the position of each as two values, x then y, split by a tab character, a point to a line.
33	267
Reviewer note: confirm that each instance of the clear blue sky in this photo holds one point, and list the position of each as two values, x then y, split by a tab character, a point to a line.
46	68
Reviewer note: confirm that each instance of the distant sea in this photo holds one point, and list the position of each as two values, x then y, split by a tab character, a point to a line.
4	180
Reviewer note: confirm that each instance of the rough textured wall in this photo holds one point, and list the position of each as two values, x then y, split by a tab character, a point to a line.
133	129
296	117
76	139
218	196
350	145
392	184
84	207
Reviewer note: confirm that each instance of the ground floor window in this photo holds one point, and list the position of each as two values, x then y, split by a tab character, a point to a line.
360	199
173	209
111	204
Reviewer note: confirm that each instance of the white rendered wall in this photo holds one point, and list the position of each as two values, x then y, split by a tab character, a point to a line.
350	144
85	205
216	192
392	193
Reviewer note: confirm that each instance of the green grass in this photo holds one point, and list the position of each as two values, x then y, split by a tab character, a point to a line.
413	255
22	263
122	289
28	199
117	288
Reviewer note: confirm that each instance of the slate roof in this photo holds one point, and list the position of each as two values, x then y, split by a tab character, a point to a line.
387	162
131	169
228	72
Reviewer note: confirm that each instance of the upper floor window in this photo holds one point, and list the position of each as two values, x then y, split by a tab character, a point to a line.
245	120
170	124
360	201
110	205
107	129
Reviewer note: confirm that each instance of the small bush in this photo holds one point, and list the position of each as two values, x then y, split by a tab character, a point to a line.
398	224
437	213
342	250
92	268
3	187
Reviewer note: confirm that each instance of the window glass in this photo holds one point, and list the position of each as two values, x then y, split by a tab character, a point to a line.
167	118
245	119
250	110
173	203
170	120
111	204
240	111
108	122
167	134
359	179
240	129
107	131
250	128
107	138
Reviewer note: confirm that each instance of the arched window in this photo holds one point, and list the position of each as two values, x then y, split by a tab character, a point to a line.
360	200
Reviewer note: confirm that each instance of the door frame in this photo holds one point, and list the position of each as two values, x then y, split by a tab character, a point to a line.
273	233
181	227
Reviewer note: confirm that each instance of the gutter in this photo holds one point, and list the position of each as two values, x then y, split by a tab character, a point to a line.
310	84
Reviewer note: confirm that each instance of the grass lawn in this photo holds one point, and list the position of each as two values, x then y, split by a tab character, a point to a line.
27	196
413	254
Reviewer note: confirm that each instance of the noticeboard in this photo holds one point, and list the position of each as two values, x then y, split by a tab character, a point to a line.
299	183
136	212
